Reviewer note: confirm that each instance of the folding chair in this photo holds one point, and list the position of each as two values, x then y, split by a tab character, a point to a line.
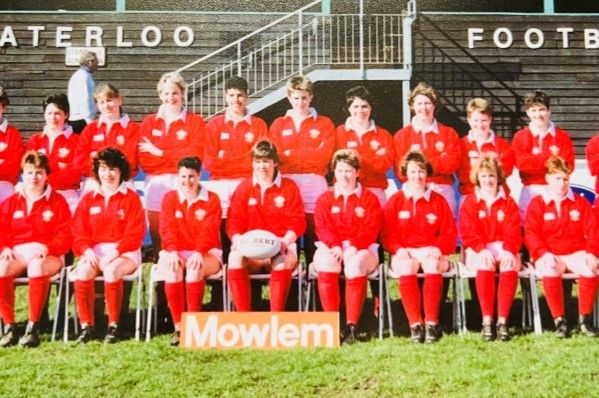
377	275
534	276
530	308
57	280
157	276
451	275
136	276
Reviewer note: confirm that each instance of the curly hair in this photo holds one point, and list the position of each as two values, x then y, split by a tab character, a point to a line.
112	157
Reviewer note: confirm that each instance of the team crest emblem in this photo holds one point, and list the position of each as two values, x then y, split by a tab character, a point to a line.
500	215
375	145
249	136
554	149
574	215
63	152
47	215
359	210
120	140
440	146
200	214
314	133
181	135
121	214
431	218
3	146
280	201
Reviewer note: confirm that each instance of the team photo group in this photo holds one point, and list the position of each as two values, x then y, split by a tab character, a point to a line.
68	198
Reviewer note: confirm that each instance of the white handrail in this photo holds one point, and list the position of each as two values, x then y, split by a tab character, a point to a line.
239	41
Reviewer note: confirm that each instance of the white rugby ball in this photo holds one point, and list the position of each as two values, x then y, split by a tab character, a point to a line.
258	244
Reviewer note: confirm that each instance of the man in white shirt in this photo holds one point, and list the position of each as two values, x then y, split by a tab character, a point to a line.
81	92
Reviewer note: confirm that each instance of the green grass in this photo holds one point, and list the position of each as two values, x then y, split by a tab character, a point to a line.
456	366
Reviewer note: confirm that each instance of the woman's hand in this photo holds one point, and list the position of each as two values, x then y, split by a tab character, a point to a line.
148	147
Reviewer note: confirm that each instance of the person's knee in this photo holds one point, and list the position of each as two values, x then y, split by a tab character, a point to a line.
235	259
404	266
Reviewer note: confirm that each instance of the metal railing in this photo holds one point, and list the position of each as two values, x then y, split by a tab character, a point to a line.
458	77
296	43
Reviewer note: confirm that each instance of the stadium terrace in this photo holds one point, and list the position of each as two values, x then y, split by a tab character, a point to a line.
534	38
64	36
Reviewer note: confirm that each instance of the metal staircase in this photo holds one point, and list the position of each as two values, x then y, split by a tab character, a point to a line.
458	77
306	41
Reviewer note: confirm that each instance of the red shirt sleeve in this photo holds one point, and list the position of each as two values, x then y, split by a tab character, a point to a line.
324	224
469	226
11	152
62	239
133	234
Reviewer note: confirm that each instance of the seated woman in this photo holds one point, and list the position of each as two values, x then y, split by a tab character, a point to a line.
490	232
348	221
419	232
273	203
560	234
190	235
35	236
108	230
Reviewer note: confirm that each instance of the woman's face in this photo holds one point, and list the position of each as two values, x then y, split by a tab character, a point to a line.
172	96
34	179
109	107
423	107
300	101
416	175
360	110
480	123
559	183
487	180
540	116
236	100
346	176
54	117
110	177
189	181
264	170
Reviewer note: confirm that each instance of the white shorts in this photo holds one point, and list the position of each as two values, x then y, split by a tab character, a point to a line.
421	253
185	254
6	189
24	250
374	247
447	191
575	263
496	248
224	188
528	192
155	187
72	198
380	194
311	186
101	248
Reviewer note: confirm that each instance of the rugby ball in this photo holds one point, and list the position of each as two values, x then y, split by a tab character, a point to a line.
258	244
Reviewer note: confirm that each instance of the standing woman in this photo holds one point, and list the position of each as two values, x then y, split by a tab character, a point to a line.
348	221
439	143
482	141
58	141
190	234
108	230
35	236
560	233
419	232
165	138
373	143
306	142
11	151
112	128
271	202
490	232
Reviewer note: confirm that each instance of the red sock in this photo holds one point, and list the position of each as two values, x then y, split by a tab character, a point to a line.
7	299
239	286
38	295
113	291
508	282
194	292
587	292
85	294
431	292
410	297
554	294
485	290
328	290
175	297
355	293
280	281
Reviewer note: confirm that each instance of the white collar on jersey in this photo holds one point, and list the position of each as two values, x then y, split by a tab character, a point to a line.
418	126
67	131
161	114
202	195
123	120
357	191
276	181
409	193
